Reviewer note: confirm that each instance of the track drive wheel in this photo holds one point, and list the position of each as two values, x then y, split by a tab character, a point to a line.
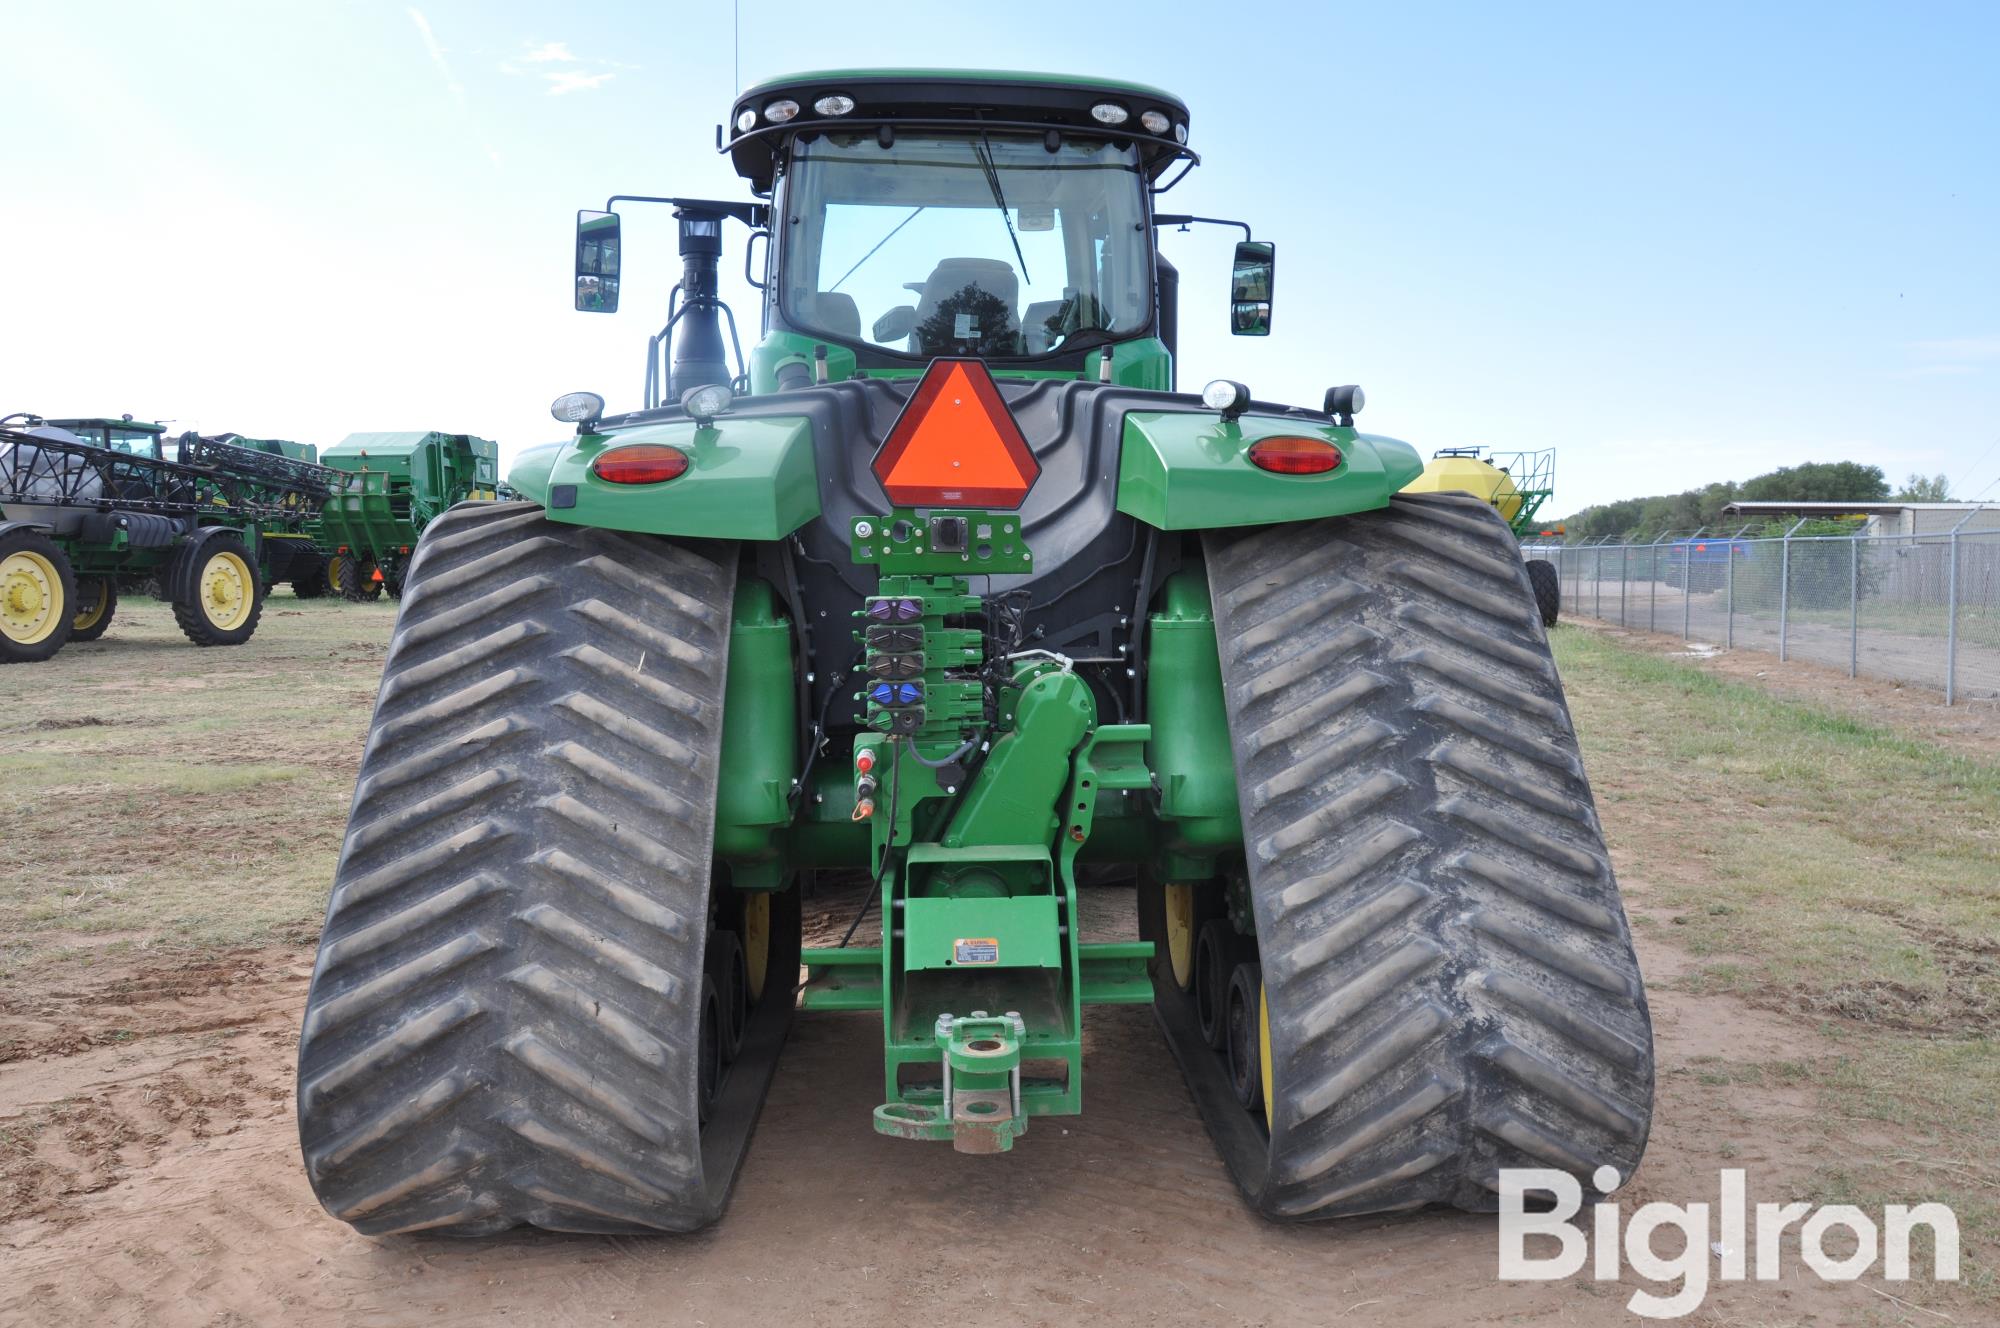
37	597
1448	986
511	1019
96	602
216	592
1548	587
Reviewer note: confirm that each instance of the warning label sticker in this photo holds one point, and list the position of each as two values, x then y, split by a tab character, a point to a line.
976	950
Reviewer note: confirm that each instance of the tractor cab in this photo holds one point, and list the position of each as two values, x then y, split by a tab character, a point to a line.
1006	217
124	434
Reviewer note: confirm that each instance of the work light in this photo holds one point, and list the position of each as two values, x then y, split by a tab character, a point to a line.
707	401
1226	395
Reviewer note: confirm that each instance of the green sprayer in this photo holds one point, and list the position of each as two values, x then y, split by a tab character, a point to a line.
947	590
94	507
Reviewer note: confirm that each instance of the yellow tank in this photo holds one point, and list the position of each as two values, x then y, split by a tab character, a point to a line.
1469	474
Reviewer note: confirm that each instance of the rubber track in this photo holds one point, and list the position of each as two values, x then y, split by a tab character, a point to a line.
501	1026
1450	973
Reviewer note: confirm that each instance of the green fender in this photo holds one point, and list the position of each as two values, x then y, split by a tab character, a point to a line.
1188	470
747	478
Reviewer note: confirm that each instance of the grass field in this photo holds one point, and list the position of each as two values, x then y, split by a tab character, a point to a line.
168	795
1834	869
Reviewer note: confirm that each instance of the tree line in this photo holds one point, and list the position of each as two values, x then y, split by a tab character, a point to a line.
1698	509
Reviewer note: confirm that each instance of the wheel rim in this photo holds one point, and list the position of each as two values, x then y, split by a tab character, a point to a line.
336	567
1264	1046
94	614
1180	933
756	942
30	597
228	590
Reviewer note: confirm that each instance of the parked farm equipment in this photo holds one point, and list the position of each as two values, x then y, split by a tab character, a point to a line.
1517	484
391	486
961	597
81	521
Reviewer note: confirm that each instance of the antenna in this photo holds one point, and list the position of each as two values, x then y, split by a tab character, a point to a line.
735	46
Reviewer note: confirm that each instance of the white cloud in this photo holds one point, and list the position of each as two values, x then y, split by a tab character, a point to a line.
431	44
1961	348
573	80
585	74
451	83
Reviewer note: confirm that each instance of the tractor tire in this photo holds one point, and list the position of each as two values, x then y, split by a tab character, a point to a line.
93	619
357	584
511	1019
1446	965
1548	587
37	597
336	564
309	577
215	590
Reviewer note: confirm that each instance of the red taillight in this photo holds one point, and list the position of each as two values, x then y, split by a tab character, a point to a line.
640	463
1294	456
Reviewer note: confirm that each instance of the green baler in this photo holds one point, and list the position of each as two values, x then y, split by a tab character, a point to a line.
947	591
396	484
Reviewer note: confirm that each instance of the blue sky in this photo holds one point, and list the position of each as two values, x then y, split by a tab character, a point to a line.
1679	244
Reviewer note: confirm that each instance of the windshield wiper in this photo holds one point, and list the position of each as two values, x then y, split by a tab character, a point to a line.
877	249
984	151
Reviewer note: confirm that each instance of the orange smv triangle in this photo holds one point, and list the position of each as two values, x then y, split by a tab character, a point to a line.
956	444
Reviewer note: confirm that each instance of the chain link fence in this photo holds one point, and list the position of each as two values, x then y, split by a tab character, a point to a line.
1921	609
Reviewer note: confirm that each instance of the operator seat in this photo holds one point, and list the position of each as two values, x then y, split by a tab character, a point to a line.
946	289
833	311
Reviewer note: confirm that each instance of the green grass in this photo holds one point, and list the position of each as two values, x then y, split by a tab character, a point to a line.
161	794
1855	869
1834	869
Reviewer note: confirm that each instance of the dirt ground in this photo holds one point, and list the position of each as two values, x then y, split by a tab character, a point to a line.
149	1170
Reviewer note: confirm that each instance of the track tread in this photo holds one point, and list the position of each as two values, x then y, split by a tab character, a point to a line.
497	1031
1451	980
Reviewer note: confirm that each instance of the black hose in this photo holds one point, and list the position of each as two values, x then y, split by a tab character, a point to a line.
888	843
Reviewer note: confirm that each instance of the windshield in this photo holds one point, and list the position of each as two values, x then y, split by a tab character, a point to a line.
954	245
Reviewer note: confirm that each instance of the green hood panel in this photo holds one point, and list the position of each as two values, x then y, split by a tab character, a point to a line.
749	478
1187	470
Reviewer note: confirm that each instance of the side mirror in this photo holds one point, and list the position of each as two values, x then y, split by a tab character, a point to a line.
896	324
597	262
1250	289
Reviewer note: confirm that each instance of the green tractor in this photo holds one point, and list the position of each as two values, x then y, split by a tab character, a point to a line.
948	593
393	485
